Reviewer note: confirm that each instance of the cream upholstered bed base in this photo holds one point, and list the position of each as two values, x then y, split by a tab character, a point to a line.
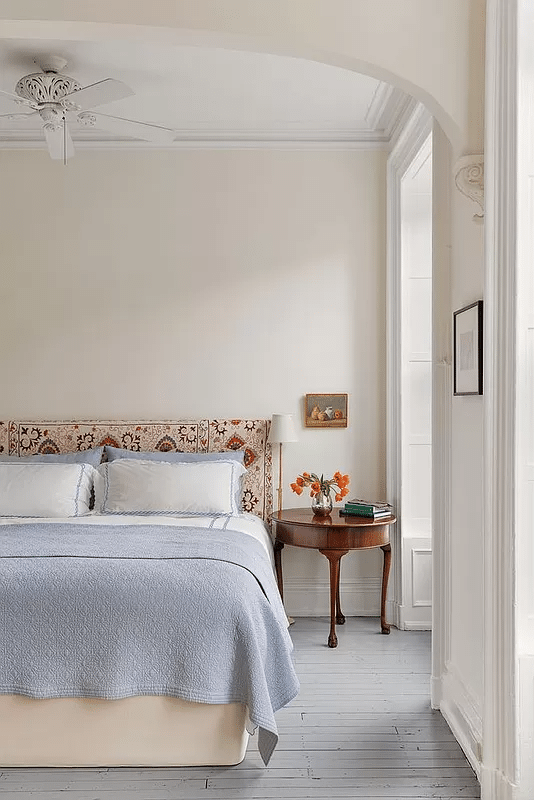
136	731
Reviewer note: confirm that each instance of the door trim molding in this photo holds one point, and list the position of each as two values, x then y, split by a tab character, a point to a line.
413	136
500	689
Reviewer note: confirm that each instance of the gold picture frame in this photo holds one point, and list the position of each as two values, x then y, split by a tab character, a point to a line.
326	410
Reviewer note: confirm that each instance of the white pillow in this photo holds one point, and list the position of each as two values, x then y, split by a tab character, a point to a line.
135	486
45	490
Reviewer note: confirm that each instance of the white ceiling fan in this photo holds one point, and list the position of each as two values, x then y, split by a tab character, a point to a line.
59	99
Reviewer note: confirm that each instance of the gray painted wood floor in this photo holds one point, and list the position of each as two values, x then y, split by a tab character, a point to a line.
361	727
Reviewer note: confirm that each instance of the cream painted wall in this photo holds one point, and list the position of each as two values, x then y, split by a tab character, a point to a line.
176	284
467	472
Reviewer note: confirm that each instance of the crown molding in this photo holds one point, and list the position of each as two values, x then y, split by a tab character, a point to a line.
390	111
407	108
387	115
378	104
200	140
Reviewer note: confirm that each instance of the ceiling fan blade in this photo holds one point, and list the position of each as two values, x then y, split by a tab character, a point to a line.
59	142
96	94
18	99
138	130
19	115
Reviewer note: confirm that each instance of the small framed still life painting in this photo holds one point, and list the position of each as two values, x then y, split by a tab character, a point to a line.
467	349
326	410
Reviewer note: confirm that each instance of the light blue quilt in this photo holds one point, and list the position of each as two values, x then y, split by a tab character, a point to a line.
117	611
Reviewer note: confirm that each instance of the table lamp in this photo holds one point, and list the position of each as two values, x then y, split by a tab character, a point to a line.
282	430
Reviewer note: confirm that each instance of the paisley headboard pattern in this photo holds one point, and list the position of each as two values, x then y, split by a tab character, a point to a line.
196	436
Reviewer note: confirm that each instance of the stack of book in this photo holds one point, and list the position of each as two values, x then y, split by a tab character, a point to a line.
366	508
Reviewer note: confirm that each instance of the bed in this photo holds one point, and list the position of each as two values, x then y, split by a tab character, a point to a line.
132	588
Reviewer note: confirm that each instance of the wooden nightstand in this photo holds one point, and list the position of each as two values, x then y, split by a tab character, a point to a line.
333	536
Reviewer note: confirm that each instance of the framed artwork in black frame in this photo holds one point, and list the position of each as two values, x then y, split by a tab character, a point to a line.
467	349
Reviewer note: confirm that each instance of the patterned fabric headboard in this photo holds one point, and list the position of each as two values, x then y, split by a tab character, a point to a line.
200	436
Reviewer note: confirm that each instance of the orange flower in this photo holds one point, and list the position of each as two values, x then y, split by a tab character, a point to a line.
310	480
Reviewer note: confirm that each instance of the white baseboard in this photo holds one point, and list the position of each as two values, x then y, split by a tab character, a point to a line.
398	616
436	693
463	717
494	786
360	597
412	625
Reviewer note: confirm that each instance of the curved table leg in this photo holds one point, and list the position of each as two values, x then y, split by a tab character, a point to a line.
386	548
334	557
340	617
278	547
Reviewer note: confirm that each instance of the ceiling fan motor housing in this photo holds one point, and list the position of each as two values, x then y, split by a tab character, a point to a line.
46	87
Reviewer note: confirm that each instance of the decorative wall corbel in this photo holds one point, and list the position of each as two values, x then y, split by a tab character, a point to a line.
469	178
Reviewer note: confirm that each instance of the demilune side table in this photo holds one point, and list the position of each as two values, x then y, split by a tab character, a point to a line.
333	536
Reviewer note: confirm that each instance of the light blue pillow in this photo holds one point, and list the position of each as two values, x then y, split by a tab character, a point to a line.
92	456
112	453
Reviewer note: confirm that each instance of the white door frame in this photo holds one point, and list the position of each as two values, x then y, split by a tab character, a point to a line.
414	134
499	762
499	766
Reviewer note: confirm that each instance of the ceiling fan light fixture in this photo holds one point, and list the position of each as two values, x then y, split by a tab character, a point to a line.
87	118
52	115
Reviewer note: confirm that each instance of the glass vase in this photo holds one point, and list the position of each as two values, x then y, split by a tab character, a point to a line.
321	504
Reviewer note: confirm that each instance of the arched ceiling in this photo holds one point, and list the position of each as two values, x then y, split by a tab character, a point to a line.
214	95
430	49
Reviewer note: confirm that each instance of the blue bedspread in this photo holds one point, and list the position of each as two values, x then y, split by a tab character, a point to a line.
111	612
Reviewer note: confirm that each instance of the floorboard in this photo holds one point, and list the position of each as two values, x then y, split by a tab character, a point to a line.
361	727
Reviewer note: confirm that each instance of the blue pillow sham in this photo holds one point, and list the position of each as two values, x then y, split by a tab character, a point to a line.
93	456
112	453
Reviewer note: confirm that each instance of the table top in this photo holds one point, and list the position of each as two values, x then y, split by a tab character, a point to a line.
305	516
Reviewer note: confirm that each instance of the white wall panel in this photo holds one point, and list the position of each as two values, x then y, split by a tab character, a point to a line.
419	246
415	612
418	310
421	577
529	386
419	414
419	478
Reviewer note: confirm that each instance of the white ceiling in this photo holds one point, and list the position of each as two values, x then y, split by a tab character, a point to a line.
214	96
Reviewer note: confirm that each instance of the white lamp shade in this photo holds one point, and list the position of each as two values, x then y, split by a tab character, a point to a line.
282	429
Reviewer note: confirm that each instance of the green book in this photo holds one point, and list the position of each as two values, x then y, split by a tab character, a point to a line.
360	505
349	512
